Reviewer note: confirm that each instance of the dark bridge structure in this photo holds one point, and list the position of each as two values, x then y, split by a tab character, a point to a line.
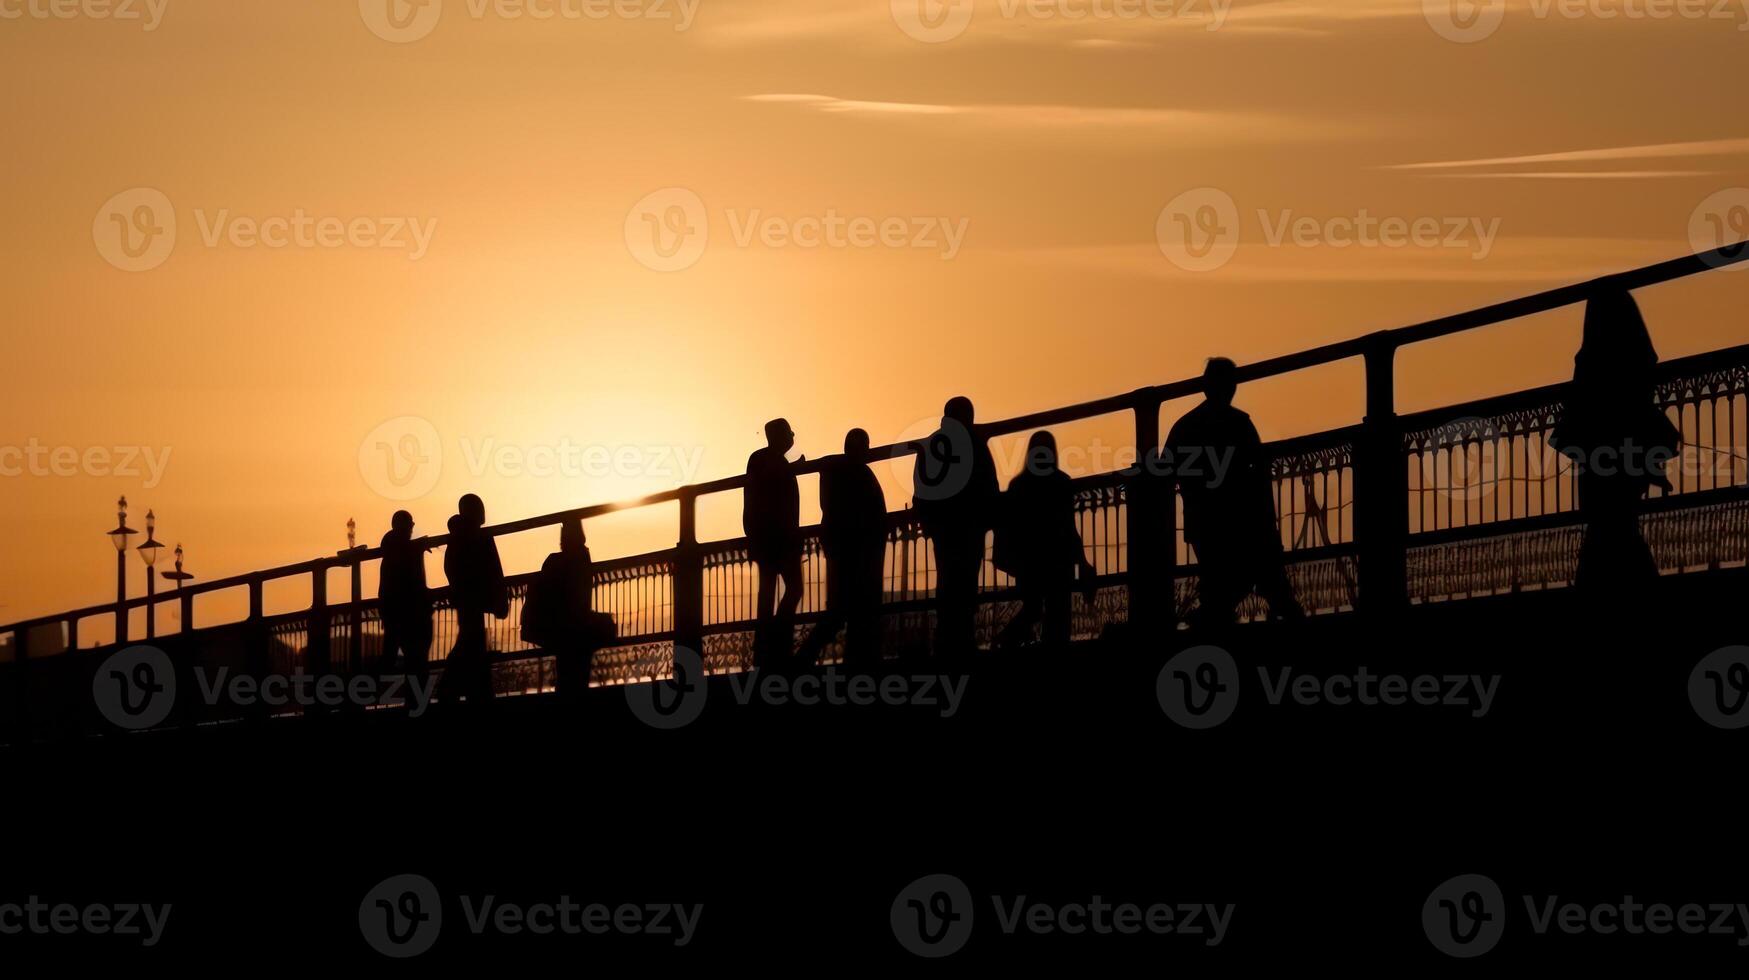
1398	513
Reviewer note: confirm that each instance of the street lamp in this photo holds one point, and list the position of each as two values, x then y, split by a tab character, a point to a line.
352	552
179	576
148	550
119	537
184	606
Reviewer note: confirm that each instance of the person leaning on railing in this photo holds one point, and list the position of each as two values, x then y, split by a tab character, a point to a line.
476	588
404	600
557	614
955	490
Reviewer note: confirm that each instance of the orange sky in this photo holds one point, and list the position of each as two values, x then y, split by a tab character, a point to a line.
878	219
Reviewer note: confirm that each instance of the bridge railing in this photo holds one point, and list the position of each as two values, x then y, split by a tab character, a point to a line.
1455	501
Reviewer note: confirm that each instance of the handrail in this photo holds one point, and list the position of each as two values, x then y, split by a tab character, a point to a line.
1542	395
1140	399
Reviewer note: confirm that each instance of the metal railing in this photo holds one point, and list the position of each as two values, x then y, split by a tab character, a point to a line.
1456	501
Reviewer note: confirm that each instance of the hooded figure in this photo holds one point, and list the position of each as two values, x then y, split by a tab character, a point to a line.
853	534
1618	440
1039	544
557	615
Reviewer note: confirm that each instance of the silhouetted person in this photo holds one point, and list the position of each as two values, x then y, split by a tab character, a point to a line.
476	589
853	533
954	486
404	602
771	517
558	608
1217	460
1619	442
1039	544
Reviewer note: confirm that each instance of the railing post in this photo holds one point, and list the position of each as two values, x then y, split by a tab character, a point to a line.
121	598
1381	486
257	640
689	580
20	706
354	636
1151	555
257	627
316	651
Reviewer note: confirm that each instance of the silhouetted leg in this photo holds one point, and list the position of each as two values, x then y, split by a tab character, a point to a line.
1018	632
826	628
571	677
1615	563
1276	590
1057	611
1219	588
783	620
763	645
393	640
957	561
862	634
452	686
467	673
416	647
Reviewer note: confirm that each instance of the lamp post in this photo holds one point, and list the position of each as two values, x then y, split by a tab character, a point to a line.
354	641
184	606
148	550
119	538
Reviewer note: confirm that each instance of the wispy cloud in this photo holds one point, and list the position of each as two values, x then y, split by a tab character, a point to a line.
1577	175
1531	259
1490	167
1075	23
1149	121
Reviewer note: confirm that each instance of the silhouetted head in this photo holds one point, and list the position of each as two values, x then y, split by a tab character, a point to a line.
958	408
402	521
456	524
472	510
856	446
1219	382
779	436
1041	454
571	539
1615	333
